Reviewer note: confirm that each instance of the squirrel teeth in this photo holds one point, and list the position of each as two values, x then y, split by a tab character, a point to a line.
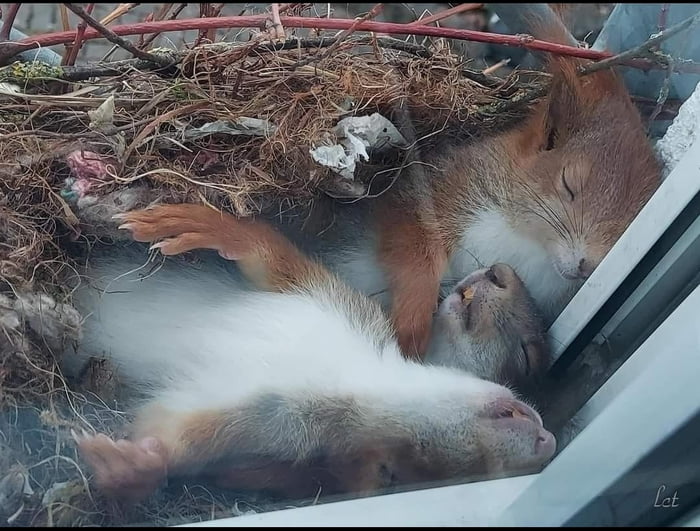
468	294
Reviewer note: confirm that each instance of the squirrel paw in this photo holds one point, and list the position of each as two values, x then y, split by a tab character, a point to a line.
181	227
127	470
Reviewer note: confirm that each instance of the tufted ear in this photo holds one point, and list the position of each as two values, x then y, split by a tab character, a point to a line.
573	97
562	110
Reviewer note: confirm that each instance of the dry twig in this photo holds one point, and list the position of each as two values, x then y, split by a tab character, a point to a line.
160	16
276	31
121	9
643	50
74	49
116	39
376	10
461	8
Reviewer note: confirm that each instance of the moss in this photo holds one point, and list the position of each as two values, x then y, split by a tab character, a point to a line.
27	71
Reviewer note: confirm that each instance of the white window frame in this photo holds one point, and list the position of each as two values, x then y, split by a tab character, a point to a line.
631	402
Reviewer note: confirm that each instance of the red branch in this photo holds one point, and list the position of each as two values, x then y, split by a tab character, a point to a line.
74	50
252	21
51	39
8	21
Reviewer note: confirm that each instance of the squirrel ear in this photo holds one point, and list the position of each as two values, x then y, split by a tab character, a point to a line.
572	98
562	112
536	349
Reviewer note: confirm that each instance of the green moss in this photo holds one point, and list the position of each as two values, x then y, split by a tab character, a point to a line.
28	71
180	93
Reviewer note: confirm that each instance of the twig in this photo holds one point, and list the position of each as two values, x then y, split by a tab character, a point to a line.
65	23
160	16
663	16
205	10
121	9
643	50
8	21
461	8
491	69
663	96
214	11
376	10
116	39
503	106
277	29
74	50
253	21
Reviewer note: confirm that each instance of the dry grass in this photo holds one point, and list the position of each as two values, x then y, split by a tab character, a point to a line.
303	92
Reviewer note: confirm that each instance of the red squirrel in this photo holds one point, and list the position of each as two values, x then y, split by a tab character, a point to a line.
300	382
549	196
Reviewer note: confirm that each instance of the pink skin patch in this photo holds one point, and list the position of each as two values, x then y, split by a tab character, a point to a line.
87	167
517	415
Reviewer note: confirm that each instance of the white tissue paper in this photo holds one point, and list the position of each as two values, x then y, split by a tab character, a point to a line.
356	136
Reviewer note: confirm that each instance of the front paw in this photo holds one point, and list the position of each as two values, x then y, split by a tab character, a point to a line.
161	221
413	333
177	228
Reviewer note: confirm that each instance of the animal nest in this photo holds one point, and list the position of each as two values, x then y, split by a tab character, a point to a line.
230	125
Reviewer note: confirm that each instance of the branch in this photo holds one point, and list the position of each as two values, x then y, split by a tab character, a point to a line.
65	23
160	16
74	50
8	22
205	10
116	68
663	16
116	39
258	21
120	10
277	29
643	50
376	10
461	8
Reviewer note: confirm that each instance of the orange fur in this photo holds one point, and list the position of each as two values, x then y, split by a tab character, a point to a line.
126	470
199	446
264	255
414	252
414	260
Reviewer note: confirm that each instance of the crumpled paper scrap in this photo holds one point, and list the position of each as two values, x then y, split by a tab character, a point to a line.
357	135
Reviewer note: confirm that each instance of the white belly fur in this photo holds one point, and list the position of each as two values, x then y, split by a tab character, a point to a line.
490	239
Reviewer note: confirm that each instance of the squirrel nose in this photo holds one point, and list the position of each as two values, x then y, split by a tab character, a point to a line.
585	268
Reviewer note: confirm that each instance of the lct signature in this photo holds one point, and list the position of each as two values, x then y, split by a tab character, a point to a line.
665	501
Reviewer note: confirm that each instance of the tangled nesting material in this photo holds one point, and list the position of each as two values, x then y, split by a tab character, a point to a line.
238	126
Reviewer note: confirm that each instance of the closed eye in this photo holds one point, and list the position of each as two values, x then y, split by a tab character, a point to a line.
566	185
527	358
388	478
